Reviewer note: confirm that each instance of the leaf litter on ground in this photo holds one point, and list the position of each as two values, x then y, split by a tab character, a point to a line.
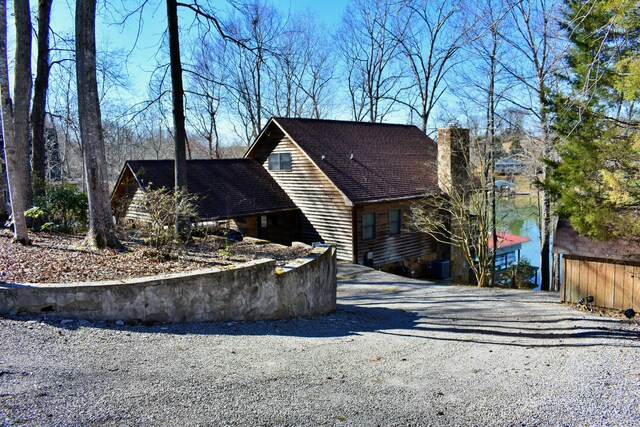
60	258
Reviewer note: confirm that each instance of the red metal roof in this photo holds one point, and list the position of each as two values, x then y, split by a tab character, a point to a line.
507	239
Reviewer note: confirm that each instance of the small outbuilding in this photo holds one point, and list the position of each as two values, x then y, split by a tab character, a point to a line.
607	270
509	246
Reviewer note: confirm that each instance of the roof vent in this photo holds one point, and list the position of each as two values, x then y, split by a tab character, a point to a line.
323	157
351	157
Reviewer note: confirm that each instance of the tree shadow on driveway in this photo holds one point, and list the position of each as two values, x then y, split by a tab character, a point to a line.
347	320
470	326
486	315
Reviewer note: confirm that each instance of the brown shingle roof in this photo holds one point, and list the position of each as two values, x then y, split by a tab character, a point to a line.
389	161
568	241
227	188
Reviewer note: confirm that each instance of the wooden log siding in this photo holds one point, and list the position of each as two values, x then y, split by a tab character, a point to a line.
136	211
325	215
248	226
614	286
388	248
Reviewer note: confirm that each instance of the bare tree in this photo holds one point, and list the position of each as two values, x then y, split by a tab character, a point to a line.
154	134
258	25
206	90
38	109
460	217
177	94
302	68
101	227
287	74
370	54
430	36
320	71
15	122
535	36
64	115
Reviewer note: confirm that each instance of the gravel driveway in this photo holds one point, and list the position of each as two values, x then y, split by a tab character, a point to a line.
396	352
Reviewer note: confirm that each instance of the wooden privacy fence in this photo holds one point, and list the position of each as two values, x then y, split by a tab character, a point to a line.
612	285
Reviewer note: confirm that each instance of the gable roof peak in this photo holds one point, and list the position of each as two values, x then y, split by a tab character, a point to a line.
365	161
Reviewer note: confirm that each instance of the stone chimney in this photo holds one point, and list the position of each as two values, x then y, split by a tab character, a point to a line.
453	158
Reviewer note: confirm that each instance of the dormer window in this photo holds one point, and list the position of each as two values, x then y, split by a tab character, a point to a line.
280	162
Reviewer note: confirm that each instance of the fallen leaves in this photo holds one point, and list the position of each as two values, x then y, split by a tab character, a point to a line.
59	258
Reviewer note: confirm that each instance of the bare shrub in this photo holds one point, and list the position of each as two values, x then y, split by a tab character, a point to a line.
163	207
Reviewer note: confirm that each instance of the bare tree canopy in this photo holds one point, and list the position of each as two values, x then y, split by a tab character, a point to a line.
370	55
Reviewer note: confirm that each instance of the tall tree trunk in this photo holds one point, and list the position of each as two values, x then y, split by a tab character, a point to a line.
38	140
545	243
545	220
54	162
16	142
178	96
101	228
22	89
492	139
180	133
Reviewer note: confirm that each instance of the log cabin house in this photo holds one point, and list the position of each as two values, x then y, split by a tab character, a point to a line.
349	183
609	271
236	190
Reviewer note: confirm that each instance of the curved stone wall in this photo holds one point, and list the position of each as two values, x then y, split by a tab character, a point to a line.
254	290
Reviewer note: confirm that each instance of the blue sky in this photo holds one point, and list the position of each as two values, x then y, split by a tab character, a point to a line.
141	62
330	11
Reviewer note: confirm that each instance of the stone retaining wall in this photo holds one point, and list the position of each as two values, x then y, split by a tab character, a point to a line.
251	291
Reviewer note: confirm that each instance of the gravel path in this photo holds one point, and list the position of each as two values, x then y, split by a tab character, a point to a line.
396	352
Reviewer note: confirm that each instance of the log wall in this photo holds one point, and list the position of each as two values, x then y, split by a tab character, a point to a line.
388	248
136	211
325	215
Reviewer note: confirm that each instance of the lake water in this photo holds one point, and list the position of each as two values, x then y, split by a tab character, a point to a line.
518	215
531	249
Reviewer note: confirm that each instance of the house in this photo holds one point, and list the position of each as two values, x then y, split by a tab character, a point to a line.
607	270
505	187
511	164
354	183
349	183
234	189
509	246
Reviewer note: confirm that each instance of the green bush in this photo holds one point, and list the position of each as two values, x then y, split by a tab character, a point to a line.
522	274
63	208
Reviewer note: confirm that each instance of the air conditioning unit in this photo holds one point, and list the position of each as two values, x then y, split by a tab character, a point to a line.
368	259
439	269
